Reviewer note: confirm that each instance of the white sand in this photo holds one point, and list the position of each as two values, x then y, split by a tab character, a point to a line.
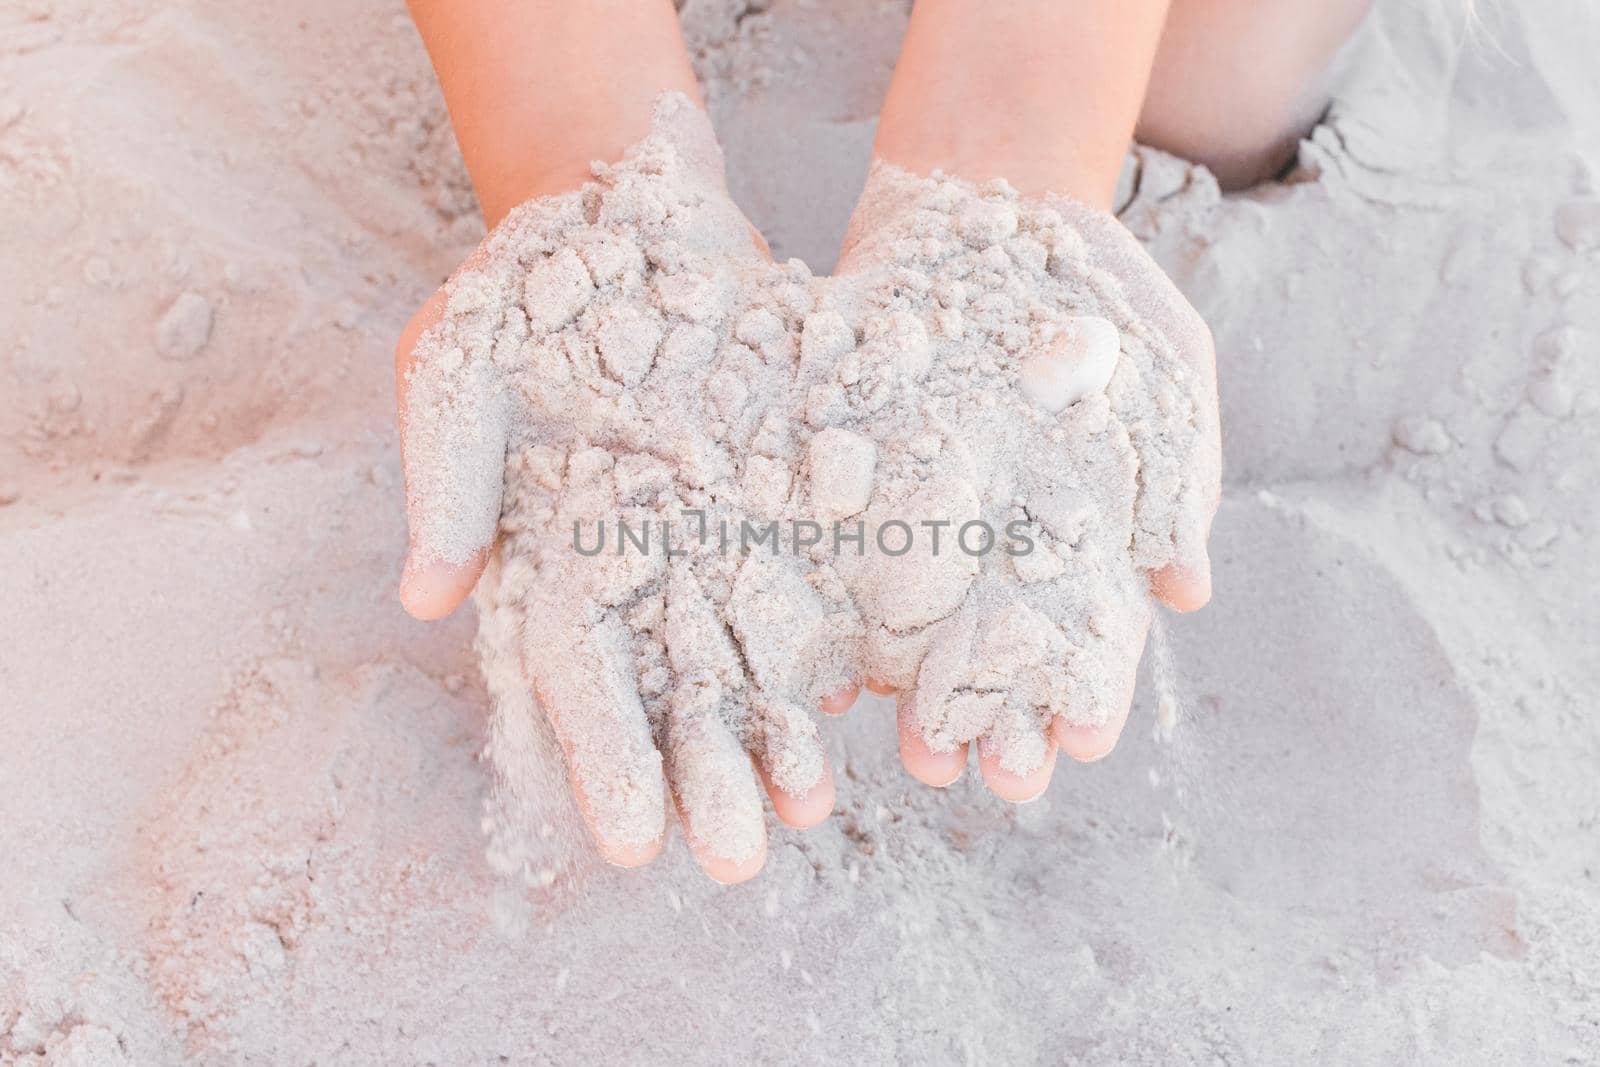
242	804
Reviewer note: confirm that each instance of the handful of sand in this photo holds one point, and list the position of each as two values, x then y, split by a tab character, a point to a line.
721	488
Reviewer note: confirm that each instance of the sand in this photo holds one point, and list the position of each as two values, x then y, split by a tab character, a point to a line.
242	791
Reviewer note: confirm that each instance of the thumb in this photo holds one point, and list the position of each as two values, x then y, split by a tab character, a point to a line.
452	442
1184	586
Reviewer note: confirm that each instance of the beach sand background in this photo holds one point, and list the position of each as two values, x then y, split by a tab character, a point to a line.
241	793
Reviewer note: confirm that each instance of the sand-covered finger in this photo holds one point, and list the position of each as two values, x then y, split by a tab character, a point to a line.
587	689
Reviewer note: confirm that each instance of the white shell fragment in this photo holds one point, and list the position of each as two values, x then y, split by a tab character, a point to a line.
1077	362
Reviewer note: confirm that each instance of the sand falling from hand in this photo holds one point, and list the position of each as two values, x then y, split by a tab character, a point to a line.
998	384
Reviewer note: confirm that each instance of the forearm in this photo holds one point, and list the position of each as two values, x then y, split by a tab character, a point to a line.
1056	86
539	89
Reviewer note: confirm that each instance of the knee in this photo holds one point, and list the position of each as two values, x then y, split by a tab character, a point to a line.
1235	85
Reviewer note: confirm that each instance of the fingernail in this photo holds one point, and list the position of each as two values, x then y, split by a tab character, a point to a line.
427	590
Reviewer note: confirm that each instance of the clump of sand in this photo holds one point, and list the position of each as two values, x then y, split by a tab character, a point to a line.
952	468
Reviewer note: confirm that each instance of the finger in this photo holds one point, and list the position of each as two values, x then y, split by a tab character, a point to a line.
615	852
1008	785
1163	308
453	443
430	591
937	769
792	762
882	689
841	701
588	694
1185	584
1183	587
714	787
719	869
1091	733
806	809
1087	744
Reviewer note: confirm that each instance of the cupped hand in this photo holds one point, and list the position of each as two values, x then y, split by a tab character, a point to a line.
581	372
1072	388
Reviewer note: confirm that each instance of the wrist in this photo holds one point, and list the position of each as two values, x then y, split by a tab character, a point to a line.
538	90
1084	170
1043	94
540	159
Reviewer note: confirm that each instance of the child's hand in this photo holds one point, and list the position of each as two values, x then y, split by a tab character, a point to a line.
592	365
1072	391
537	89
1044	95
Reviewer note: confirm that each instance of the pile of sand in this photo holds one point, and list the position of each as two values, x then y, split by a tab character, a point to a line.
242	795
